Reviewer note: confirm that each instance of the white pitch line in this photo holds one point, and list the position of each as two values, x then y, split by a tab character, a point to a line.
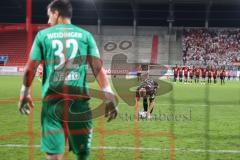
187	104
133	148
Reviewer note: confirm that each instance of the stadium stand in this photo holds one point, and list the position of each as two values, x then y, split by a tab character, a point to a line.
211	47
138	48
175	47
13	45
150	45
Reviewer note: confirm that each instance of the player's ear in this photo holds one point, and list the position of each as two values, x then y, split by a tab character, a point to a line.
55	14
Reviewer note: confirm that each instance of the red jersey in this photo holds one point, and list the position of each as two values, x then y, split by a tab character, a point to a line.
215	73
209	73
191	72
139	70
197	71
185	71
204	71
175	70
223	73
180	71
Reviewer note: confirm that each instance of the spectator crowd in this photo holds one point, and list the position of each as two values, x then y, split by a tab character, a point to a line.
212	47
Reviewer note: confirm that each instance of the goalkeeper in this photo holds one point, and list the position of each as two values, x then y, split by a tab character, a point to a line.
147	90
65	50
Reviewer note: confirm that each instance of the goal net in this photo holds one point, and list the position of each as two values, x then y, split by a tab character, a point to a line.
158	71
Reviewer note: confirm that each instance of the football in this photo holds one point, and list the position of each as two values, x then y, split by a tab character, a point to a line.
142	115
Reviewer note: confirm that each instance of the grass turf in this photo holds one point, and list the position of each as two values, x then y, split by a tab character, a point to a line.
203	119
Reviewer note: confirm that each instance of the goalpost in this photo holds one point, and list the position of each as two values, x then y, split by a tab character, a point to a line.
158	71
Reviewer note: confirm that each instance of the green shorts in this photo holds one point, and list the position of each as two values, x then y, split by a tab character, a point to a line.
61	120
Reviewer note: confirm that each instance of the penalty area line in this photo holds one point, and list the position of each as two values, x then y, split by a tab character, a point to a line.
189	104
133	148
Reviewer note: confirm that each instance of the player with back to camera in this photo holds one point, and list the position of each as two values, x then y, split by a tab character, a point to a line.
203	71
147	90
222	75
191	74
186	72
215	75
180	73
209	74
66	50
197	74
175	73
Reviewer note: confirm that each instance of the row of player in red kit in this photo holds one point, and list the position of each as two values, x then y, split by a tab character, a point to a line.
203	72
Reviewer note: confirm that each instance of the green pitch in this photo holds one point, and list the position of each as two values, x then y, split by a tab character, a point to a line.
191	122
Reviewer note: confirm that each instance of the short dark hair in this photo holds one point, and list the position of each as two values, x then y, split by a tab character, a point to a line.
142	92
64	7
